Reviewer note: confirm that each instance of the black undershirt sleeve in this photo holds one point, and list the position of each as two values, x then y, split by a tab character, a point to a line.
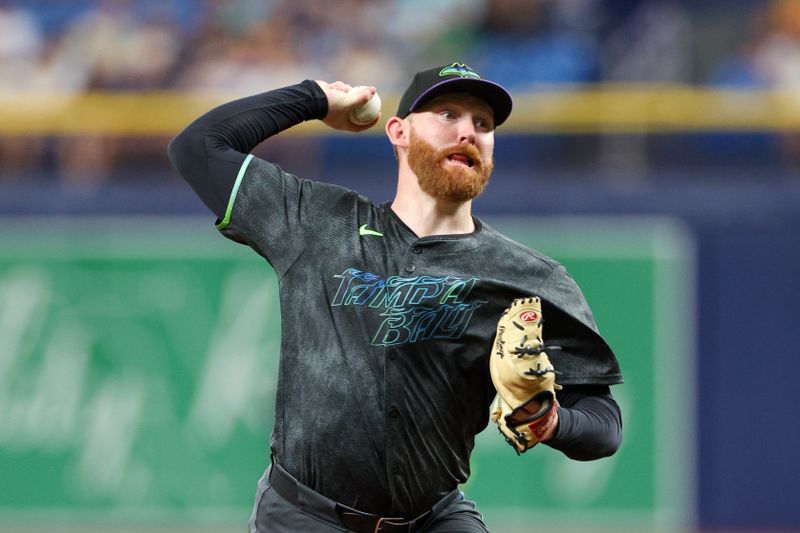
589	423
209	152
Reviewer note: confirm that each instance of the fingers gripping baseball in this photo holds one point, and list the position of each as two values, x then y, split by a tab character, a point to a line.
350	108
525	409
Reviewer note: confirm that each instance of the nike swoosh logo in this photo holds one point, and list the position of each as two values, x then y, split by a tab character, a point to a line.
364	230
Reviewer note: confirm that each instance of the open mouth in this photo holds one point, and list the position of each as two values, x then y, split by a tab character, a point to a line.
461	159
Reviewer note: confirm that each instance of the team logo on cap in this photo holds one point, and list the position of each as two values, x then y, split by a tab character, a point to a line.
459	69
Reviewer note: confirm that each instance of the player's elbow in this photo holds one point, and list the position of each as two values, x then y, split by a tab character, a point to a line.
180	151
602	446
608	446
610	440
602	431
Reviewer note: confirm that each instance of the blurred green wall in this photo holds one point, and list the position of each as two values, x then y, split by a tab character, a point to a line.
138	360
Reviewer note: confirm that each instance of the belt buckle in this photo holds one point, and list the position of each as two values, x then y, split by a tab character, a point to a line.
389	521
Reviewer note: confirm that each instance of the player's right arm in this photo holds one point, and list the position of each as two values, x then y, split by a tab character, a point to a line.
210	152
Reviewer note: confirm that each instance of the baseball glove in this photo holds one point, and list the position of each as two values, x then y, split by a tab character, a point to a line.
525	405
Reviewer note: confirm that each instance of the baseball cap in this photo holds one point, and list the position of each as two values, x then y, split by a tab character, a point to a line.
454	78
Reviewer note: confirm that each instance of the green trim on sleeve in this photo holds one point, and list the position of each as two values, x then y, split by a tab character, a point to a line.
227	220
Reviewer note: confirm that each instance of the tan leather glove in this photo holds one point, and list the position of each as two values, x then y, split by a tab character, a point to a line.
525	406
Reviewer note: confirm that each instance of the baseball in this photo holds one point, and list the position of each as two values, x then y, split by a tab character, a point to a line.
367	112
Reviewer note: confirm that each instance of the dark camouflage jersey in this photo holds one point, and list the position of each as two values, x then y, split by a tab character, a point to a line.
383	377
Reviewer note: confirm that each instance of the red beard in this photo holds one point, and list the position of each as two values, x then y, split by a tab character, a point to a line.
453	183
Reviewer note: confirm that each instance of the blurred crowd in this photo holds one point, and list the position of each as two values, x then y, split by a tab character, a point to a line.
246	46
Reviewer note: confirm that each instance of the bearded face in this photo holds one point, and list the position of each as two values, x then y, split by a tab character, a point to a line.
458	182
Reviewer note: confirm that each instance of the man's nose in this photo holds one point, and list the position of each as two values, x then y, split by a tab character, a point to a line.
466	132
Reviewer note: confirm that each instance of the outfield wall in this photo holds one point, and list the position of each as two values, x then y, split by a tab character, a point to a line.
138	376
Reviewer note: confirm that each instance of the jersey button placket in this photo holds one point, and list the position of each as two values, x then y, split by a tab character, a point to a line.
410	268
393	421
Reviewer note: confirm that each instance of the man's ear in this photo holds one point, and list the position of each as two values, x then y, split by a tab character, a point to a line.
397	131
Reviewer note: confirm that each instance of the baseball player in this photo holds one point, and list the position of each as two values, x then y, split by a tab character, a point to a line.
406	326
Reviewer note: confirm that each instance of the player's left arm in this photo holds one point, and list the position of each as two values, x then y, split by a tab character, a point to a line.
578	416
589	423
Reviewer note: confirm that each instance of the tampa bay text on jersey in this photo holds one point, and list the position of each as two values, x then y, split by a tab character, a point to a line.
415	308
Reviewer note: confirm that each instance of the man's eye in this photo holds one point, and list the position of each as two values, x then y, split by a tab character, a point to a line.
448	114
484	125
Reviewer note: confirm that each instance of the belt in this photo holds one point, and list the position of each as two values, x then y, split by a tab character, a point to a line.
289	489
369	523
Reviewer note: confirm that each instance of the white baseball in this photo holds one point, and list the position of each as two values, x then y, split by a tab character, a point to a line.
366	113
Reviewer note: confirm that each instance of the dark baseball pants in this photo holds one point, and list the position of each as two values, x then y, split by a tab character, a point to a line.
317	514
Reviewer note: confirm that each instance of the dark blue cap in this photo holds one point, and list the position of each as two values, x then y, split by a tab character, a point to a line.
454	78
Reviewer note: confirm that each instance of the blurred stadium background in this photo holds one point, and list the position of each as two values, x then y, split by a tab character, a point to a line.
654	149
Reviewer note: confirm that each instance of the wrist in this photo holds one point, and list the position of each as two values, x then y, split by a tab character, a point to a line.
317	88
546	427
